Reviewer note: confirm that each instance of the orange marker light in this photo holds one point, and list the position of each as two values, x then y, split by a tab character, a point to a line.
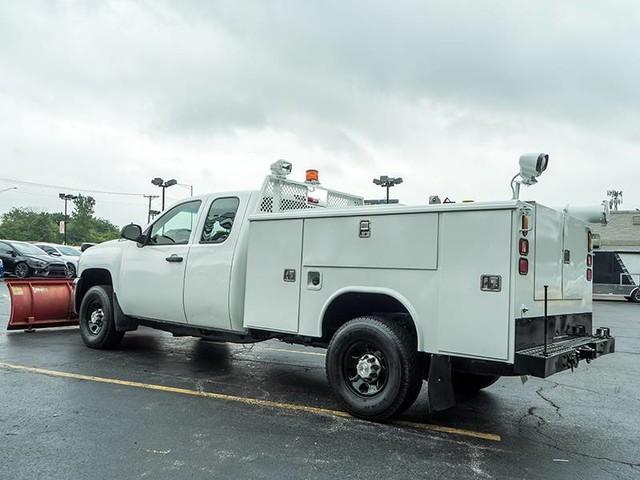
312	176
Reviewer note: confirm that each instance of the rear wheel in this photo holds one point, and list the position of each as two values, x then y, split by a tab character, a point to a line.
97	326
635	296
471	382
372	366
71	270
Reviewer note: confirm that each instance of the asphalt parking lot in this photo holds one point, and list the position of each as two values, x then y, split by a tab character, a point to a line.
165	408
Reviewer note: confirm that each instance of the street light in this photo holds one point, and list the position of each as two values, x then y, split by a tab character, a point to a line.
158	182
66	197
387	182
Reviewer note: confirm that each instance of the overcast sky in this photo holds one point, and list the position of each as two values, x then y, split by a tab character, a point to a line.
107	95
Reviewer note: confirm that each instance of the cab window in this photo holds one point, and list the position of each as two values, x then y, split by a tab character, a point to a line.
175	226
219	221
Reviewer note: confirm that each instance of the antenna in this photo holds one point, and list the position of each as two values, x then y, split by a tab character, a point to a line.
615	200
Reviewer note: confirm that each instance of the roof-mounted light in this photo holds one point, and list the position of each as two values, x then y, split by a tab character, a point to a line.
281	168
532	165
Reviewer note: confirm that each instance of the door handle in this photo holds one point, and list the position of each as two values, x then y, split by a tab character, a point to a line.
174	258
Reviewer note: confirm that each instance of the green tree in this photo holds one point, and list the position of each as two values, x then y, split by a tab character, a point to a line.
28	225
82	226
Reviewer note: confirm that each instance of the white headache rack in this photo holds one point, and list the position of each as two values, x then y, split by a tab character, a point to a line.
279	194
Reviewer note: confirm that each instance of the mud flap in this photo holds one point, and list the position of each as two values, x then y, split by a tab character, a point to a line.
123	322
439	385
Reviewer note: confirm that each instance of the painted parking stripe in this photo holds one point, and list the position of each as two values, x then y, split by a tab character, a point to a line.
247	401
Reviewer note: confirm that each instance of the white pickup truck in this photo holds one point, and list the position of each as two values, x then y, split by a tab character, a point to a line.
456	294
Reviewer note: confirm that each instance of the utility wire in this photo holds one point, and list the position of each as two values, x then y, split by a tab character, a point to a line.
60	187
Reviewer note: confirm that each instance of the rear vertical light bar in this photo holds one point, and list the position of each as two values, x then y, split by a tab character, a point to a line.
523	266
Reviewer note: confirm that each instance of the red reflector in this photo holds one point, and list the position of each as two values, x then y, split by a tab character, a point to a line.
524	246
589	260
589	275
523	266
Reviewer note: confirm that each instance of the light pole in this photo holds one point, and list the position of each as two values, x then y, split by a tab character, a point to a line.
66	197
187	185
150	197
387	182
158	182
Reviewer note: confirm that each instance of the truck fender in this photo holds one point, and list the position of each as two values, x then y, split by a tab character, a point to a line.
383	291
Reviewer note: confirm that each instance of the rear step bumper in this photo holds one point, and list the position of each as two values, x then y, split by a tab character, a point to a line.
563	354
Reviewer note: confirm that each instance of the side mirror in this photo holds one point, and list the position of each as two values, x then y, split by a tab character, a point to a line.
131	232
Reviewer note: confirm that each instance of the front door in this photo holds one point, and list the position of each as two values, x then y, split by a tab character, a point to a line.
152	276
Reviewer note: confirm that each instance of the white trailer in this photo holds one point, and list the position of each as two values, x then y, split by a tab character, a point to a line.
457	294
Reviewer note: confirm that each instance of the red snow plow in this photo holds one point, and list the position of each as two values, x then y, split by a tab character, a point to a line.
40	303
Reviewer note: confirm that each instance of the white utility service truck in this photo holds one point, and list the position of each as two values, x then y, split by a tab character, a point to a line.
457	294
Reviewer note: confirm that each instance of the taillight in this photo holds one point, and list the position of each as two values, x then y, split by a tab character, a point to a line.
523	266
589	274
525	224
589	260
589	241
524	247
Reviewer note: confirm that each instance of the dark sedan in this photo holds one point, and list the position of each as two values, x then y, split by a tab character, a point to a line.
26	260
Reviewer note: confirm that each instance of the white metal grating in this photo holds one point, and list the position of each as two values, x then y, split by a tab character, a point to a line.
279	194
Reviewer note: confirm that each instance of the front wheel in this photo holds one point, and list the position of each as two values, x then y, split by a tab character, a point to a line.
372	367
97	325
470	383
635	296
22	270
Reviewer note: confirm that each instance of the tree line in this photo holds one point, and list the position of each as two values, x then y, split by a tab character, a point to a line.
82	225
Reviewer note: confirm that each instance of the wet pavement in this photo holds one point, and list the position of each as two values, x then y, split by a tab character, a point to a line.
166	408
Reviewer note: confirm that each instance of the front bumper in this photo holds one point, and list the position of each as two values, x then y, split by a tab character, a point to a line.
563	354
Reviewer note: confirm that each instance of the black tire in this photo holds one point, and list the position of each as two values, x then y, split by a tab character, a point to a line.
635	296
469	383
71	270
22	270
372	342
97	326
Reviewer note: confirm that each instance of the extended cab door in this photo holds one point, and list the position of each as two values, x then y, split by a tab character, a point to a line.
208	275
152	276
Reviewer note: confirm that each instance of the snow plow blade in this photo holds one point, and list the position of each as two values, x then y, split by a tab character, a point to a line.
40	303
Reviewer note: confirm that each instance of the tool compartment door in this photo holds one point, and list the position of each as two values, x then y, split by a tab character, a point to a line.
273	275
548	253
470	321
574	267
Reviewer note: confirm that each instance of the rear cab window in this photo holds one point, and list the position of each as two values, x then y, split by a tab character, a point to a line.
220	219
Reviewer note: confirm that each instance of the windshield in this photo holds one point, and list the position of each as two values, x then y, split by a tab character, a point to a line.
72	252
26	249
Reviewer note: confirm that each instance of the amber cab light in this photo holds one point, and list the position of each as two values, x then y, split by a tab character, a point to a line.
523	266
525	223
312	176
589	260
589	274
589	241
524	247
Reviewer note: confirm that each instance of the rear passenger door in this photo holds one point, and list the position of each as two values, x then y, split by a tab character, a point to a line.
208	272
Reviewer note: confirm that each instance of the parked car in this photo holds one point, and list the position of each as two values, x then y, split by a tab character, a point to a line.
25	260
69	255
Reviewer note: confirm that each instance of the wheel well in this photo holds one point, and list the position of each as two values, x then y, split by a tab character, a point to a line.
90	278
356	304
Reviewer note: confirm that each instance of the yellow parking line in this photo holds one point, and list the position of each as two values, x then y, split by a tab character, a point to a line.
248	401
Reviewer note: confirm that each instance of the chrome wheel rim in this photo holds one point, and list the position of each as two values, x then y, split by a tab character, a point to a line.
96	320
365	369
